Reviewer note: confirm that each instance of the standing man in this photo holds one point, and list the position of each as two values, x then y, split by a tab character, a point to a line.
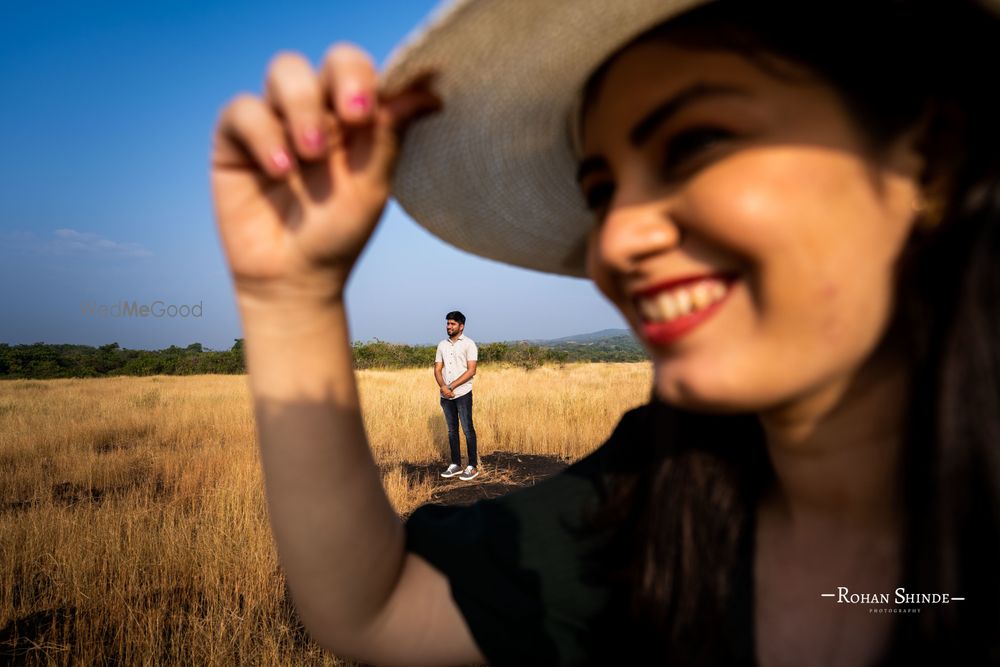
454	368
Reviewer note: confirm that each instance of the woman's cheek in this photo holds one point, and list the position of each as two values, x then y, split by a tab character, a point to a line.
752	199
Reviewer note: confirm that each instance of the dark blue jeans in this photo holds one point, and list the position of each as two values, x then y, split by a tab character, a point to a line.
460	409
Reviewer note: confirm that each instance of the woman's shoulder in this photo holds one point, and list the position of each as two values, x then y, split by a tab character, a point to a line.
524	568
530	570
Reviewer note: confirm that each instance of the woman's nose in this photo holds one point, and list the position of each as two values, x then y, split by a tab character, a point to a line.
631	233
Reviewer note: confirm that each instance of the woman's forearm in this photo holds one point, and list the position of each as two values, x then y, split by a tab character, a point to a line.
338	537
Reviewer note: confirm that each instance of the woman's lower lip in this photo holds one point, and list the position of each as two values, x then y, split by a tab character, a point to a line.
665	333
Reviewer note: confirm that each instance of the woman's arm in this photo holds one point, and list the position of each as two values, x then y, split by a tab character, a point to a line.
341	543
292	228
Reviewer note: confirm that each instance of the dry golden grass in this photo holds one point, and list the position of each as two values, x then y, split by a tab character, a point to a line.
133	527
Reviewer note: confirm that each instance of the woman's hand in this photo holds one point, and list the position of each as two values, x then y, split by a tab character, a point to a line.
300	177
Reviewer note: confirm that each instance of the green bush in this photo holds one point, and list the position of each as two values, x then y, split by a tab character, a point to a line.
42	361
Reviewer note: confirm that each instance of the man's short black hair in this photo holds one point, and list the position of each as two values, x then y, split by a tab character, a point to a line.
455	315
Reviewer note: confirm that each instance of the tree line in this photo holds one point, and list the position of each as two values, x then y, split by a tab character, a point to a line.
46	360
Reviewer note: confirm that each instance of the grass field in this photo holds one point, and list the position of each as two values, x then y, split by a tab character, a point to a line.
133	528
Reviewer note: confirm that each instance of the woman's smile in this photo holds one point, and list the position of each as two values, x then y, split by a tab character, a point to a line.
671	309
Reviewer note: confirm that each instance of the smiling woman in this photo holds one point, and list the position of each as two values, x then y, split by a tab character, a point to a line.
795	206
835	170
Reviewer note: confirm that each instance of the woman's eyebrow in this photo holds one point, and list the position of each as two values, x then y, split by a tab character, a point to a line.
660	114
670	107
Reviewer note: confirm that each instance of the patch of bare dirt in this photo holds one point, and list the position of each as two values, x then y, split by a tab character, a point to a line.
499	474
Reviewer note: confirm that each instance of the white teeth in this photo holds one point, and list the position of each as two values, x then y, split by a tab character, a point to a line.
650	310
668	307
699	295
680	301
684	301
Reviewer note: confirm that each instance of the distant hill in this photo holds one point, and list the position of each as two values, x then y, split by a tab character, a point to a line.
603	345
592	337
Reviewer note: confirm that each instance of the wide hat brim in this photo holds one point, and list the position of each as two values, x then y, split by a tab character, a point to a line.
494	172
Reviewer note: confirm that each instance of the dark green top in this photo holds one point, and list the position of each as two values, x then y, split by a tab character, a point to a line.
528	584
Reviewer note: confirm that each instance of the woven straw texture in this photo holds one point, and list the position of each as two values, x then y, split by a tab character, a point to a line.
494	172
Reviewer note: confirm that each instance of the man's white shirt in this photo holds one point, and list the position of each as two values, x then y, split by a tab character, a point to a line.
456	356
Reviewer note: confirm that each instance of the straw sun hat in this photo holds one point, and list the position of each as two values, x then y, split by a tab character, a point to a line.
494	172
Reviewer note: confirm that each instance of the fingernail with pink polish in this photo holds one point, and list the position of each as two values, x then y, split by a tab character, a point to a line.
281	161
313	139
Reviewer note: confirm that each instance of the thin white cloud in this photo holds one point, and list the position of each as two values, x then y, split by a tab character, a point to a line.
70	242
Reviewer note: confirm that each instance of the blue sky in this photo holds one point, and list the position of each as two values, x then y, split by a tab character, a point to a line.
107	116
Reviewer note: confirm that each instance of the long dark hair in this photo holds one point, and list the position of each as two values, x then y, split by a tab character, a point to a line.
685	519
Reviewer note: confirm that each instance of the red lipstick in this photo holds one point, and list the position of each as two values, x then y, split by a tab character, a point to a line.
666	333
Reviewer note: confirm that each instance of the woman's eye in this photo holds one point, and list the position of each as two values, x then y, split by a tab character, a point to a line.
598	196
683	147
687	144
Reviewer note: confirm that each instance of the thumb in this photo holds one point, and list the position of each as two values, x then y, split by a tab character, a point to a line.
395	116
416	100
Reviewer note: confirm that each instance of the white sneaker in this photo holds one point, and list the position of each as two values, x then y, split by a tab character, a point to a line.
451	471
470	473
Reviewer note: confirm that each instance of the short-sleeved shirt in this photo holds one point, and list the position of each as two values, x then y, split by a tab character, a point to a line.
456	355
530	583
